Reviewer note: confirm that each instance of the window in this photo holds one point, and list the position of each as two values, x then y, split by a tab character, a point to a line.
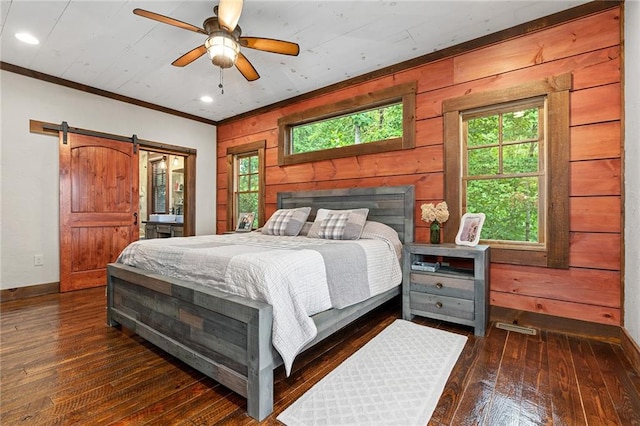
503	171
158	178
507	155
246	183
377	122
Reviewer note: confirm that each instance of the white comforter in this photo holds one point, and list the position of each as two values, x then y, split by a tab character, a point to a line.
285	272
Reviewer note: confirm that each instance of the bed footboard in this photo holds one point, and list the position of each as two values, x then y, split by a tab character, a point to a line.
226	337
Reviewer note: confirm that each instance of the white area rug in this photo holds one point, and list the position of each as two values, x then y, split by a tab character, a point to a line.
395	379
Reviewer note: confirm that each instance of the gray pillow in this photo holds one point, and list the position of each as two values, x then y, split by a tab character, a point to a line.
352	228
286	221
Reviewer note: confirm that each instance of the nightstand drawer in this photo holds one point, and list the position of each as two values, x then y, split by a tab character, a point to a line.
442	285
442	305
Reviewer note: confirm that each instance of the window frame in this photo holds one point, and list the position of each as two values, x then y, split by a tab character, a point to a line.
404	93
556	92
233	154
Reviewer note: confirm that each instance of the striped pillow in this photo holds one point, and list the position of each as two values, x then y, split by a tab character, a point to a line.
352	229
286	221
332	227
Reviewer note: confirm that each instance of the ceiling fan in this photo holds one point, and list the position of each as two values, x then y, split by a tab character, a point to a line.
224	39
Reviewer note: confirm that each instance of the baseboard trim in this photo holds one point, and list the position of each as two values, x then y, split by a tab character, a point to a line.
29	291
573	327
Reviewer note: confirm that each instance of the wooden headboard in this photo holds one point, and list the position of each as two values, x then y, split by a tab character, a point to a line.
391	205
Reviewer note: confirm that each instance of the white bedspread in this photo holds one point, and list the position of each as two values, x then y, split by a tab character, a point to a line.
285	272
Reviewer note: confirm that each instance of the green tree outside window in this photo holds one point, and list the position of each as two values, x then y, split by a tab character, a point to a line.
248	185
361	127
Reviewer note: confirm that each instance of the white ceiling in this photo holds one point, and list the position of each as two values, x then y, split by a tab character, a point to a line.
102	44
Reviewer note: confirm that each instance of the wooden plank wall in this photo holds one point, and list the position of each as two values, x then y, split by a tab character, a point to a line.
589	48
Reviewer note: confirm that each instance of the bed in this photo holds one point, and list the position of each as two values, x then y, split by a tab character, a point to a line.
228	336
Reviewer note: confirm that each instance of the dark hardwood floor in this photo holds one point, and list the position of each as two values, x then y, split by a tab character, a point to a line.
60	364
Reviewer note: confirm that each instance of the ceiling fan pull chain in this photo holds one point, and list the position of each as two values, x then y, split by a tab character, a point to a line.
220	85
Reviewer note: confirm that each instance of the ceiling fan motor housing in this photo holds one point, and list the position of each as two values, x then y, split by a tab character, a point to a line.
222	46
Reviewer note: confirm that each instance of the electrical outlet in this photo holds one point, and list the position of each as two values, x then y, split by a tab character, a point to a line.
38	260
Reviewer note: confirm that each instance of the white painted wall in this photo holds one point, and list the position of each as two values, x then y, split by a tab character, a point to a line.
29	167
632	171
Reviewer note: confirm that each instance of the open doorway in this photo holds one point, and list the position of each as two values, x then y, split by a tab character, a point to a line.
162	194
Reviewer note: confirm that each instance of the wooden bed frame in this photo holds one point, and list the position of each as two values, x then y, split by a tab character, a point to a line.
228	337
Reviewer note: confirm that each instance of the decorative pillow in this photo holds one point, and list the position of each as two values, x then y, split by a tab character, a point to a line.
332	226
286	221
352	228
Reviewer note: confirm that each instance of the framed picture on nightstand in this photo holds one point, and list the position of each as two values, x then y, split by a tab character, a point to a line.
470	228
245	220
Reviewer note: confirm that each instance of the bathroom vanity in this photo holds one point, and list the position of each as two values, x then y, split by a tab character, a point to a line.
163	226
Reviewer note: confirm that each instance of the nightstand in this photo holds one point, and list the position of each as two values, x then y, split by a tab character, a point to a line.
457	292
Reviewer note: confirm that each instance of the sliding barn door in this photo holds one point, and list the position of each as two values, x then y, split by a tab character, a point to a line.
98	207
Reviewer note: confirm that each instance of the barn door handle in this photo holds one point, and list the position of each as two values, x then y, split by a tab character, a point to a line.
135	218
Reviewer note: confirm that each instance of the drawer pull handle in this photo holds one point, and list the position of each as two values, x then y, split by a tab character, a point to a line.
439	285
438	305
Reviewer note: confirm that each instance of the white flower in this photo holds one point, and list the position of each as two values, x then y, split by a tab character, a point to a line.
438	213
442	212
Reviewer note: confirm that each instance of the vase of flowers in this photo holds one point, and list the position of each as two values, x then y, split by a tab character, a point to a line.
436	215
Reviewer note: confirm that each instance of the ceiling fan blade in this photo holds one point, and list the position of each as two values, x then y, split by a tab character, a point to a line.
246	69
167	20
271	45
229	13
190	56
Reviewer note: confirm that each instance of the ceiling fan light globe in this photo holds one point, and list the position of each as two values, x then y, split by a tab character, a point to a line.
222	49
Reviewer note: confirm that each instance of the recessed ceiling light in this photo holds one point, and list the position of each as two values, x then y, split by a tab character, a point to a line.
206	98
27	38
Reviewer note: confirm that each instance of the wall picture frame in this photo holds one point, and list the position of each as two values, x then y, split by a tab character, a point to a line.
245	221
470	229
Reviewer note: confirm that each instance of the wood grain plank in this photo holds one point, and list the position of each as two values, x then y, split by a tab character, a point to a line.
594	32
596	105
536	391
420	160
506	403
630	367
596	141
165	406
215	403
426	185
458	380
477	398
597	177
429	132
430	104
595	250
598	74
580	285
559	308
595	214
567	405
618	376
598	408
